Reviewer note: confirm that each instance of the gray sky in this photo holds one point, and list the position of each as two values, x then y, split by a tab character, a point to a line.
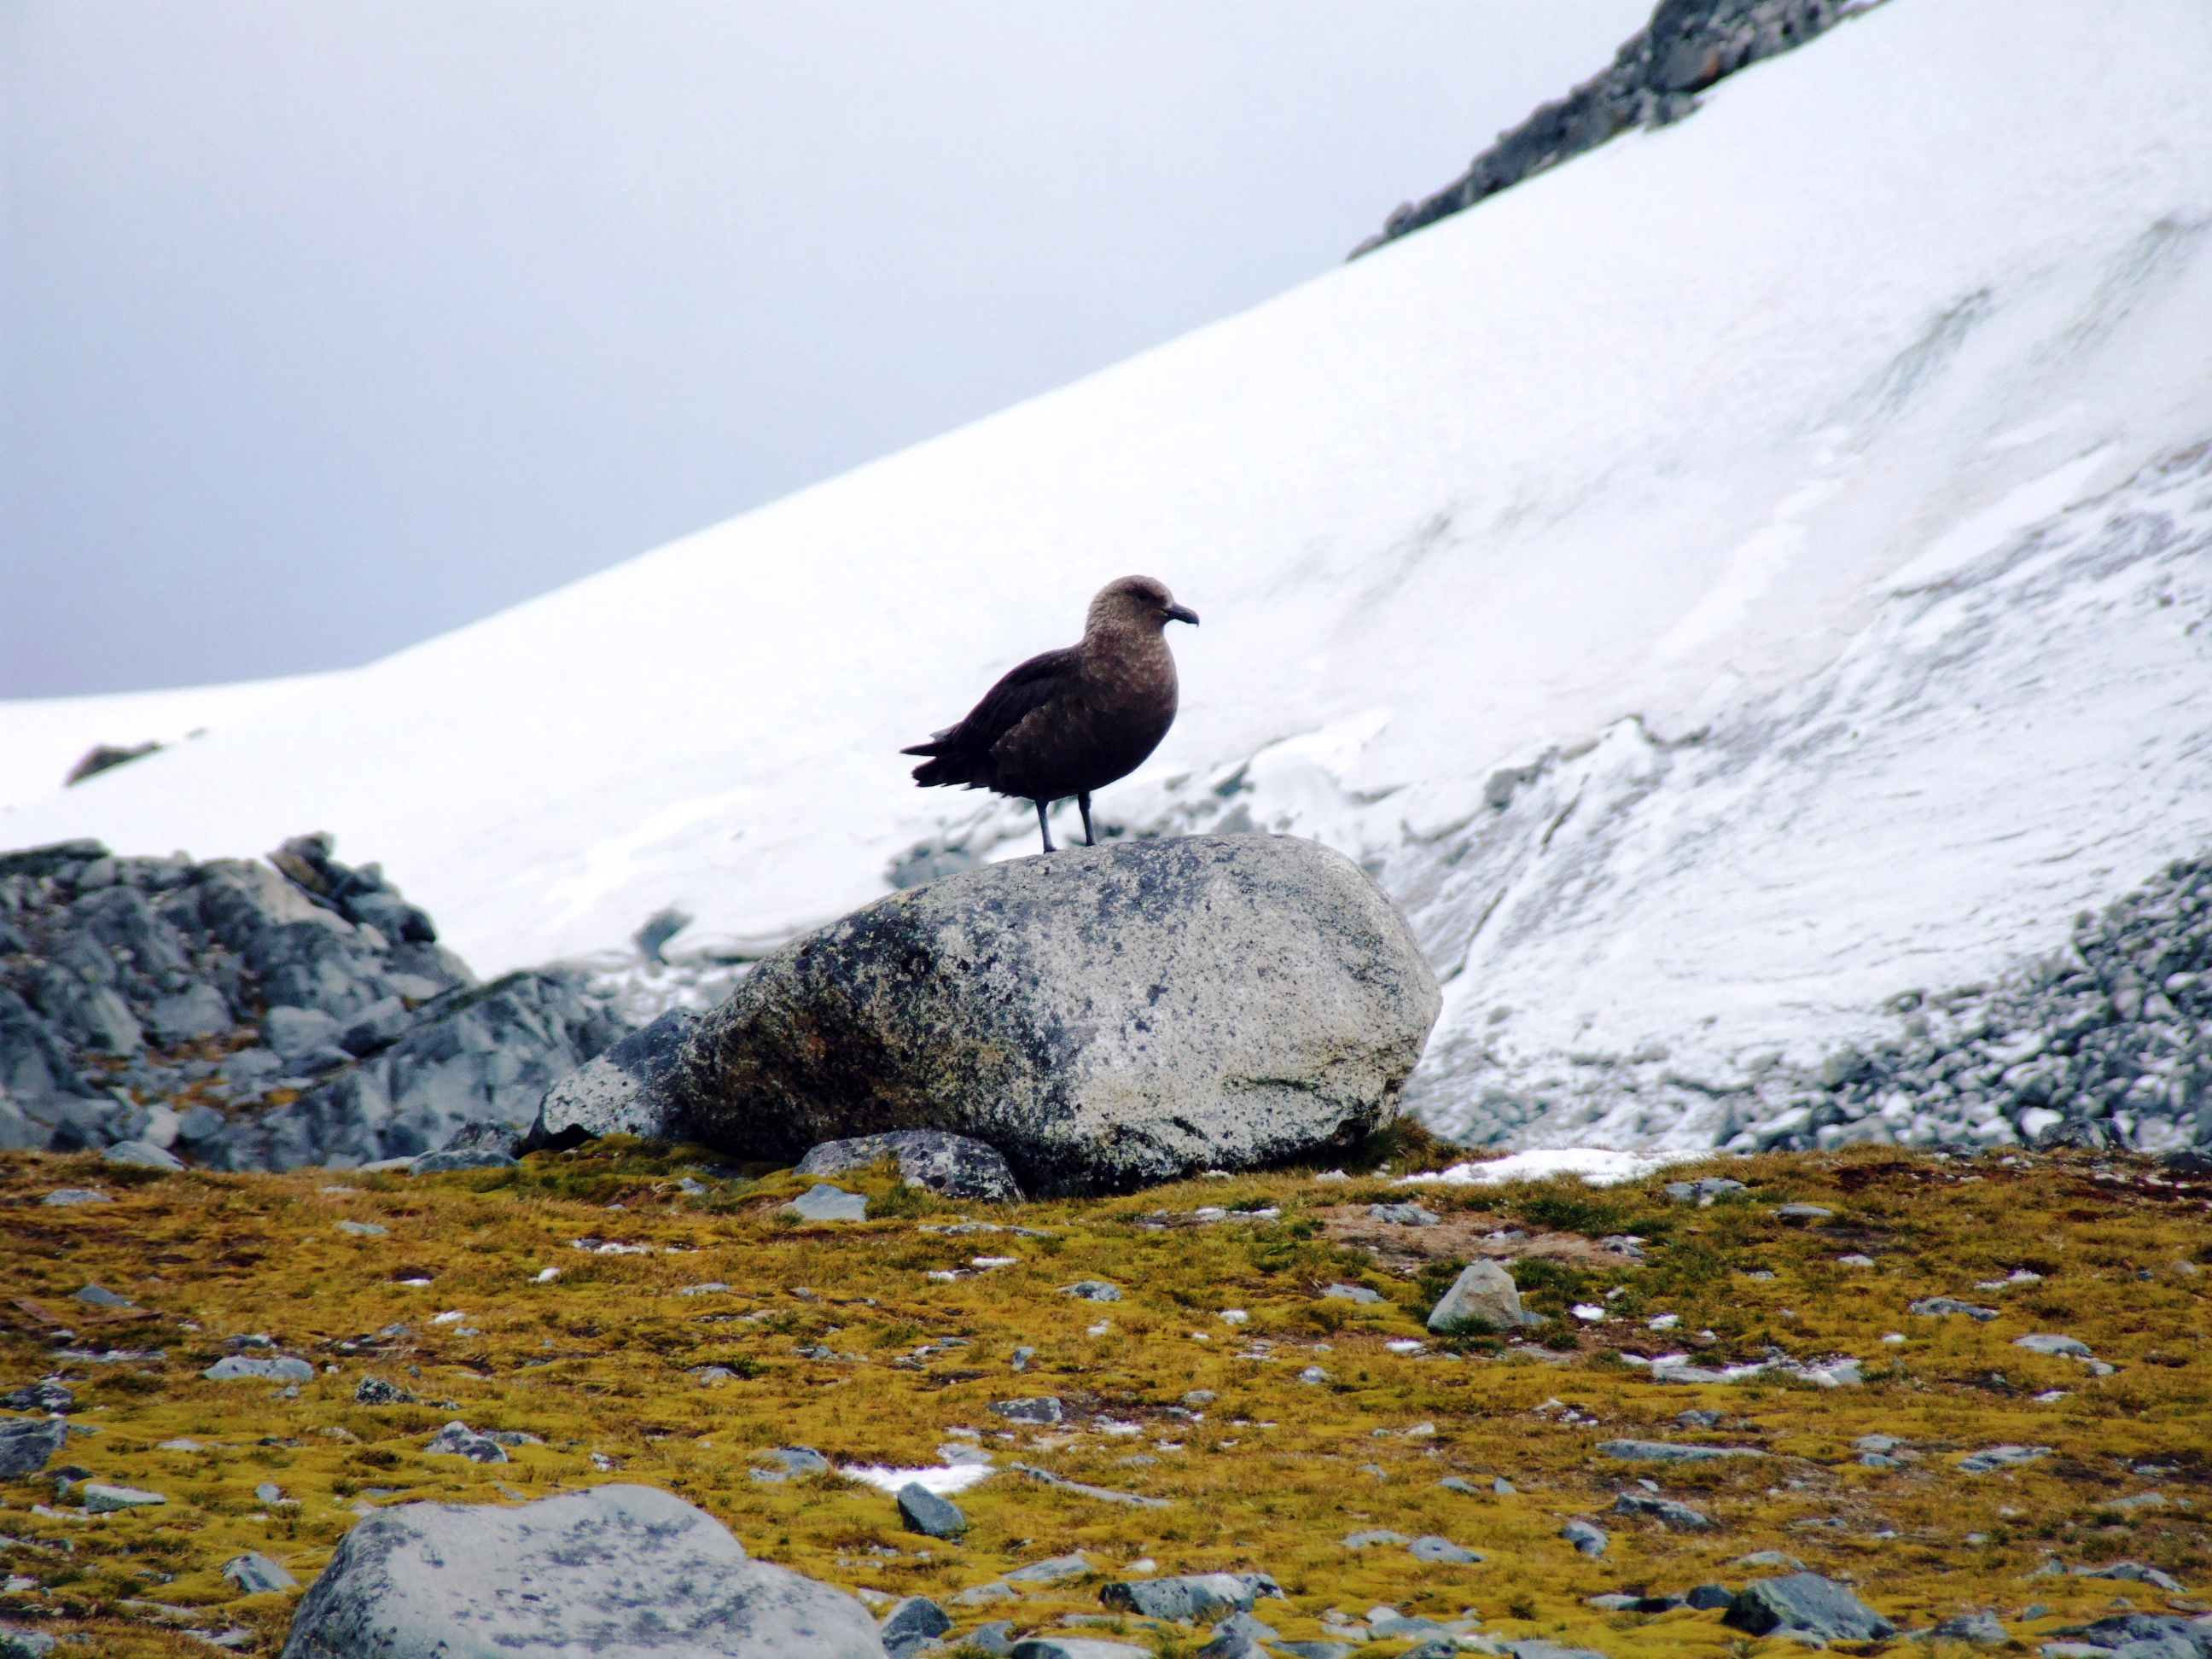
325	328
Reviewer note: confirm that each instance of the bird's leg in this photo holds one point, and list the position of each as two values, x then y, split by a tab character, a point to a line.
1044	829
1082	801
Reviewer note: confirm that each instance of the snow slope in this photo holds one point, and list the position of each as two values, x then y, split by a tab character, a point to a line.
1724	582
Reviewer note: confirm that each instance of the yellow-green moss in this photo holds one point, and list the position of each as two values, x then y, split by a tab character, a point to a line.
598	1359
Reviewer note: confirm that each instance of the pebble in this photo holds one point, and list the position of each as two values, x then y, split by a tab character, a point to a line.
1664	1510
101	1498
458	1439
2072	1347
932	1516
1038	1408
1359	1293
76	1196
1093	1290
1802	1213
1934	1307
1403	1215
1589	1540
1670	1451
282	1368
255	1574
1051	1570
828	1203
1430	1548
363	1229
2000	1457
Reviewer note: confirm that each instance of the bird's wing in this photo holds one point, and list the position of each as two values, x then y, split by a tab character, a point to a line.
1020	692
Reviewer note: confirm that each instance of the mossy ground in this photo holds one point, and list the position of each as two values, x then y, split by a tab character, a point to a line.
597	1362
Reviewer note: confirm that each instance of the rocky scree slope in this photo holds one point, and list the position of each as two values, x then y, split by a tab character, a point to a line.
260	1016
1653	80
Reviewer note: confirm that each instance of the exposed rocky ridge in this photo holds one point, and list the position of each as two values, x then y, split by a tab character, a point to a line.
251	1016
1654	80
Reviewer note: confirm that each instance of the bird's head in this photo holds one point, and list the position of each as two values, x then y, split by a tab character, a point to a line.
1136	602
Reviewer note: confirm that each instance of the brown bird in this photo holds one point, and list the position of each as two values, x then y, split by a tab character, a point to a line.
1071	721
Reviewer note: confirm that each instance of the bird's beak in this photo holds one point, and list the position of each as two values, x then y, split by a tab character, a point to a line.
1183	613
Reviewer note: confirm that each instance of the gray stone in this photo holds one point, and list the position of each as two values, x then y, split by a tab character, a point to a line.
1537	1649
619	1571
1589	1540
255	1574
16	1644
1802	1213
197	1010
1282	1004
1430	1548
1370	1539
925	1512
1483	1295
236	1367
1670	1451
1805	1604
799	1460
949	1165
911	1625
1664	1510
142	1154
1934	1307
1039	1408
1770	1558
1981	1628
1315	1649
2070	1347
2000	1457
1050	1570
1076	1647
458	1439
375	1391
449	1159
621	1091
46	1395
26	1445
101	1498
1704	1190
1093	1290
1454	1483
290	1032
1359	1293
996	1638
827	1203
76	1196
99	1296
1104	1494
1403	1215
1190	1597
2134	1572
1705	1598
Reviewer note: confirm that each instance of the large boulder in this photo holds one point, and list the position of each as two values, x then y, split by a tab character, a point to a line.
1106	1016
621	1091
616	1572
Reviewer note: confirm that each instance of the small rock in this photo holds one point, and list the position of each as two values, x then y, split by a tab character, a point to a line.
827	1203
375	1391
1189	1597
977	1595
2134	1572
1664	1510
1483	1295
2000	1457
24	1644
76	1196
1770	1558
452	1159
1702	1191
1315	1649
1934	1307
1313	1375
99	1296
1040	1408
1430	1548
1093	1290
1807	1603
1669	1451
925	1512
1403	1215
1802	1213
798	1460
1706	1597
458	1439
949	1165
101	1498
1359	1293
1980	1627
255	1574
1589	1540
2072	1347
1361	1541
44	1396
283	1368
26	1445
1453	1483
639	1572
1050	1570
911	1625
1075	1647
1697	1419
995	1638
142	1154
363	1229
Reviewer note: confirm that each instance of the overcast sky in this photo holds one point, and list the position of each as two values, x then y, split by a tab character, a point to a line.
325	328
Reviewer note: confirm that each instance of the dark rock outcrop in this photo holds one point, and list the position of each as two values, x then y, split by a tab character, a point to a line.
155	1004
1105	1016
1653	82
618	1571
622	1091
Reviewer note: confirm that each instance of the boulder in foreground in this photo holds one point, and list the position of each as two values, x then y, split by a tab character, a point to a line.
616	1572
1106	1016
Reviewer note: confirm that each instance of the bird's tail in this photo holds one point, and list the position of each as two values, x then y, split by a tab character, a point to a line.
943	764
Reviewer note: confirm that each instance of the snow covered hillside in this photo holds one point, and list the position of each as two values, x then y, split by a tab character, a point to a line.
1759	568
